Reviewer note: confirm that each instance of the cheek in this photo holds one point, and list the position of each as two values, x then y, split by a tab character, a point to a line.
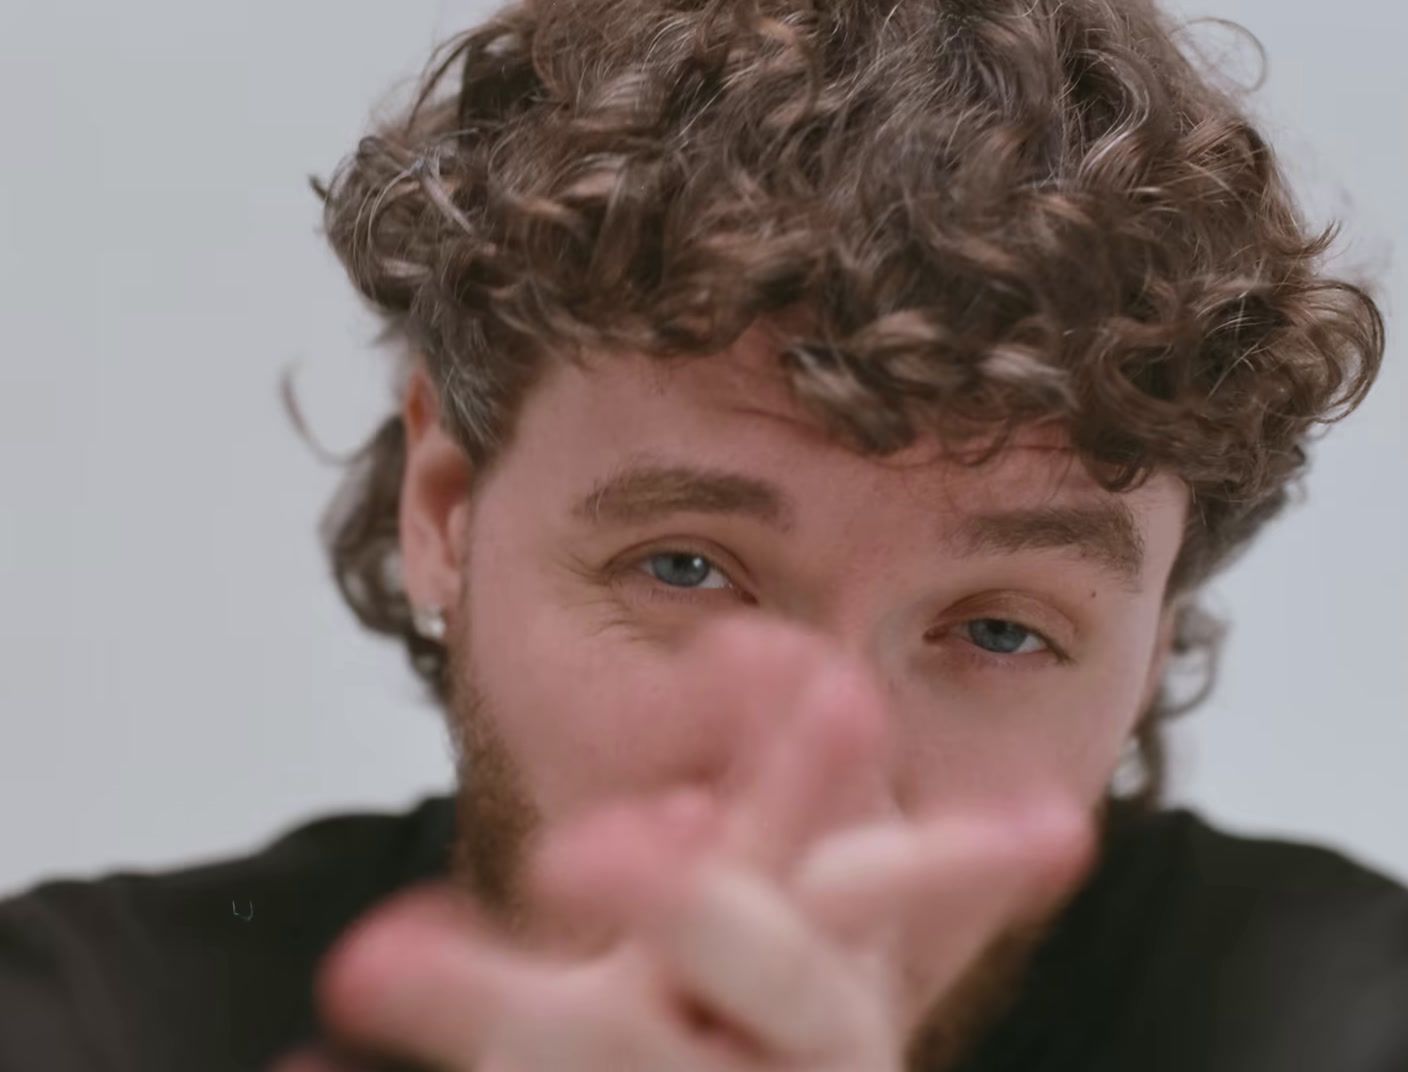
584	712
992	733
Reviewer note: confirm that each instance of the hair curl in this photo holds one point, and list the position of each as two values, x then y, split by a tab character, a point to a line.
992	212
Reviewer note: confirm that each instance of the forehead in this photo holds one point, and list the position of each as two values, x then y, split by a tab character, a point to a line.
625	437
738	404
627	442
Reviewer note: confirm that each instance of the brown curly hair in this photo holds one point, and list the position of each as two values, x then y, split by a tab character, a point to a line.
991	211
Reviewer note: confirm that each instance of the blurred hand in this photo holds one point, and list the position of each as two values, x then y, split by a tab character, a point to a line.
750	925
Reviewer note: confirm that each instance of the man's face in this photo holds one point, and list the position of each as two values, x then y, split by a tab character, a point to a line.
1010	614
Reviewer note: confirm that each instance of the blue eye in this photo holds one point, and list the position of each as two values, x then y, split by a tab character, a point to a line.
1003	637
684	569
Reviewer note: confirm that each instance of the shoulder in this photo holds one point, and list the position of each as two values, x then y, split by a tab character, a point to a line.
1307	898
155	970
1266	953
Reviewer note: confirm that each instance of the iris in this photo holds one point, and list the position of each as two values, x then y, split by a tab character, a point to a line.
681	569
996	635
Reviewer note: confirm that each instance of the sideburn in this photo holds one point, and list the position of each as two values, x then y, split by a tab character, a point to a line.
494	814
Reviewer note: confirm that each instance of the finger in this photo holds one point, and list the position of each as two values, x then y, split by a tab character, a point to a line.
727	940
821	764
950	886
737	946
612	1015
806	728
724	937
576	874
424	977
871	872
609	1045
495	1063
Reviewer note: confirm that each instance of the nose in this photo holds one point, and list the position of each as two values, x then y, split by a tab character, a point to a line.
818	701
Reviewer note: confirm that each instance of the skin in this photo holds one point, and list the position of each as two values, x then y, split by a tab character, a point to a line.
810	716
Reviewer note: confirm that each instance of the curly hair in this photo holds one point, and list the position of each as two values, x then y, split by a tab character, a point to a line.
991	211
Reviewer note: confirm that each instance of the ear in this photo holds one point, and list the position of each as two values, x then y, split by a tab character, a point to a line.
434	507
1163	648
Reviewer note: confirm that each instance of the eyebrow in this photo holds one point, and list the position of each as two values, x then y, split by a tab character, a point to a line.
1105	534
649	492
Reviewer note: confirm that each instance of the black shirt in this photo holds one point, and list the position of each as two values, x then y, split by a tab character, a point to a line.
1188	949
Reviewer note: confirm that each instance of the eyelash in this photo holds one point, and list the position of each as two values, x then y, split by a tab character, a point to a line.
660	590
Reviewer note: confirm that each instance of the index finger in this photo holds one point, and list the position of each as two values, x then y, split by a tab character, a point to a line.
809	738
425	977
950	884
820	767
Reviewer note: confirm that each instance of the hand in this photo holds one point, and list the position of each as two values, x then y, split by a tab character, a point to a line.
753	925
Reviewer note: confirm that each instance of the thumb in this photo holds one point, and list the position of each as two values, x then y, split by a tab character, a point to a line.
424	977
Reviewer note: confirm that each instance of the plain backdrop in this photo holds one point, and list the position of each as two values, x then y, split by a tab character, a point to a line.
178	678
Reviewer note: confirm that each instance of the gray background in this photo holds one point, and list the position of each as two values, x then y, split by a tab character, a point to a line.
179	678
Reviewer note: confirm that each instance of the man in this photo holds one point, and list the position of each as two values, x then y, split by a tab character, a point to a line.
818	422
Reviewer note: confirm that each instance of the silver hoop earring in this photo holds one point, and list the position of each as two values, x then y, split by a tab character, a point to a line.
429	622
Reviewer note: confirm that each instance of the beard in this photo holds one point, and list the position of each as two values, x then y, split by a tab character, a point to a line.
954	1024
496	821
495	817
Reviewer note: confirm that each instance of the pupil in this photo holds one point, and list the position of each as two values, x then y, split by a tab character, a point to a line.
1006	637
682	571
